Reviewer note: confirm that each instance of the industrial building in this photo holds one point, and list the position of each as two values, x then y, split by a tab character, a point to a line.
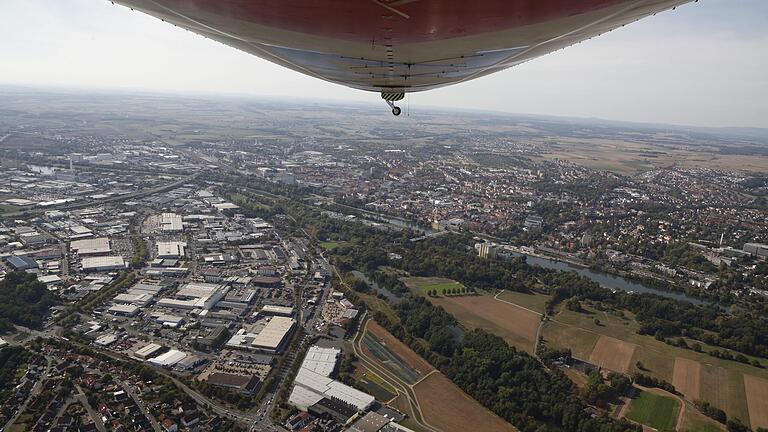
171	249
148	351
106	340
123	310
167	272
375	422
103	263
168	359
533	221
168	320
487	250
275	335
246	385
171	222
140	300
195	295
313	388
757	249
97	246
277	310
321	360
269	336
139	295
21	263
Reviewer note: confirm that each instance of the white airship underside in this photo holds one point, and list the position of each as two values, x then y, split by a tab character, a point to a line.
399	46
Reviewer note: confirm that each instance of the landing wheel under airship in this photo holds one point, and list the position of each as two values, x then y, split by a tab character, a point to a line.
390	99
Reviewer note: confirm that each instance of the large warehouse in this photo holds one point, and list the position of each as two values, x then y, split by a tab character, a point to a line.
171	249
275	335
168	359
268	336
312	385
103	263
97	246
21	263
171	222
195	295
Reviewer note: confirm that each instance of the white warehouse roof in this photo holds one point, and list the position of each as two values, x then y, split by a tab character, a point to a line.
91	246
168	359
103	262
171	222
148	350
171	249
274	332
328	388
277	310
321	360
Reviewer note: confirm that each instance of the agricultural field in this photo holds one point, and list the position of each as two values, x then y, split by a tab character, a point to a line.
696	375
757	400
654	410
687	377
612	354
422	285
694	421
533	301
447	407
631	157
518	326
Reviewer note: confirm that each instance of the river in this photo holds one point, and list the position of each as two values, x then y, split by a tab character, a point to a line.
609	281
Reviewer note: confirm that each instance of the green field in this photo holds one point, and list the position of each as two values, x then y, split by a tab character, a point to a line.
422	285
378	388
656	411
391	360
533	301
330	245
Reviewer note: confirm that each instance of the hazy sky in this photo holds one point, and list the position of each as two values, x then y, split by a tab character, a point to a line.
704	64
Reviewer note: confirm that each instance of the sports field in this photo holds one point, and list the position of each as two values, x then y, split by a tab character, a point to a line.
330	245
448	408
518	326
423	285
657	411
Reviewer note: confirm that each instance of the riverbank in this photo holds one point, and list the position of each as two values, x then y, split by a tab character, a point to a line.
604	279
